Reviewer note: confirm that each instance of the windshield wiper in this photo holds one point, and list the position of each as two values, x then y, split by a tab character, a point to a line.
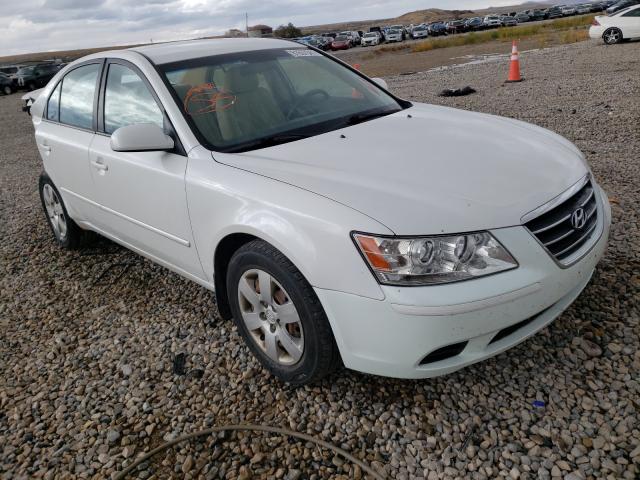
363	117
271	141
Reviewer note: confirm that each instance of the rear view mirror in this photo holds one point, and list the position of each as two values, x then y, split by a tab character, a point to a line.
381	83
141	137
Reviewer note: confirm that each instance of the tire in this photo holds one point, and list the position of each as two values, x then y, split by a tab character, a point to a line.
290	314
7	90
66	232
612	36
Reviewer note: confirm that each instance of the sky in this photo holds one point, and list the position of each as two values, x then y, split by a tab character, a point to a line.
47	25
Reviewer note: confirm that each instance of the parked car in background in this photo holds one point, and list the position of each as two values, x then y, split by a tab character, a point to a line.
7	84
278	198
437	29
522	17
616	7
10	70
622	25
536	15
583	8
341	42
474	24
456	26
554	12
508	21
492	21
379	31
35	76
319	42
394	35
421	31
401	29
353	36
370	39
568	10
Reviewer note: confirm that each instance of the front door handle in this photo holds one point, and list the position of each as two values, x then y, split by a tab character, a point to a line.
45	147
100	165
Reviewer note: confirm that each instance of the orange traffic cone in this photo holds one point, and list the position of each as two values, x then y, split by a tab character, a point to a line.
514	70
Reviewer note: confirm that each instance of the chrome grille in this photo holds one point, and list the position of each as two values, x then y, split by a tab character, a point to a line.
556	229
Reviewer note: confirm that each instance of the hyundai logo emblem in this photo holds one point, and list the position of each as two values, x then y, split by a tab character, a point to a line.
578	219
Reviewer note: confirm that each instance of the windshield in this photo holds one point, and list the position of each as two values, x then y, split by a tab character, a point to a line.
25	70
370	35
341	39
241	101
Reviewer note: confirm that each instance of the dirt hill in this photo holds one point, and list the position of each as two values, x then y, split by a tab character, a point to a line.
420	16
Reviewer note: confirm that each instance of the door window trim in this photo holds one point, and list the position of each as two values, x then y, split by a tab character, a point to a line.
168	126
99	61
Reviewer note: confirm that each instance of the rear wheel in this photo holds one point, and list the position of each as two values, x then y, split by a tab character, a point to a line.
7	90
66	232
279	315
612	36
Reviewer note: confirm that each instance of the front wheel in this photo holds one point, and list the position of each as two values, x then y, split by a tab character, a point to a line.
612	36
279	315
7	90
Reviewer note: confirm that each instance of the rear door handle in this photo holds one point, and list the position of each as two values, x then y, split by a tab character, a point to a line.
46	147
100	165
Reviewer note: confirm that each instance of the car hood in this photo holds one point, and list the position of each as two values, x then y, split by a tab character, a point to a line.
427	169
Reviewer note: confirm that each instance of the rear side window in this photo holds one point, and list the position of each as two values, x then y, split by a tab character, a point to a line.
53	106
633	13
127	100
77	95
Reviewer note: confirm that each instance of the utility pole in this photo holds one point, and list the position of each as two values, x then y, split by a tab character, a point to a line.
246	22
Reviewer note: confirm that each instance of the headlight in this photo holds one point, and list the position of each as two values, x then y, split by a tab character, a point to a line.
433	260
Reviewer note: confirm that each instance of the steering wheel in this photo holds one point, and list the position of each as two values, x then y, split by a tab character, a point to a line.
304	98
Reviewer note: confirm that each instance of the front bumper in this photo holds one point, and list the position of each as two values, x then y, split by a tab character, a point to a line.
485	316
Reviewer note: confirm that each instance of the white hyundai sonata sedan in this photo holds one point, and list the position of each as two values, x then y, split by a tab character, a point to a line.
334	221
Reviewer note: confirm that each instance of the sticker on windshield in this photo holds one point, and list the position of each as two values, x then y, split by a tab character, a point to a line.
303	53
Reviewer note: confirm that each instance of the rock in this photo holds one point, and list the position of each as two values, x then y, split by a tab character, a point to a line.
113	436
615	347
187	466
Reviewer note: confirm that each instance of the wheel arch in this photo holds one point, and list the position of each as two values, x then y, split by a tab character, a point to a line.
222	256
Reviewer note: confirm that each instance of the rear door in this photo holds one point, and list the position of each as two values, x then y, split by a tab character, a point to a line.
630	23
65	133
141	194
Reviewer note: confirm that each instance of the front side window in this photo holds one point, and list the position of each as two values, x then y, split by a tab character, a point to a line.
53	106
77	95
127	100
238	101
633	13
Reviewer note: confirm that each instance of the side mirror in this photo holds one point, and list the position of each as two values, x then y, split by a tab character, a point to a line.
381	82
140	137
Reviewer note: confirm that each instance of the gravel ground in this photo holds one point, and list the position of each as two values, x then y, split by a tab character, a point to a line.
87	370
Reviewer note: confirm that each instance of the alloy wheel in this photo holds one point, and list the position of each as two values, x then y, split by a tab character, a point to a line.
612	36
55	212
270	316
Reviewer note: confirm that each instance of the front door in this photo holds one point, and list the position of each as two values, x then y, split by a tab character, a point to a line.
141	194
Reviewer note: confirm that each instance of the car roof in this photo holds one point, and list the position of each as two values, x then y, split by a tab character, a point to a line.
169	52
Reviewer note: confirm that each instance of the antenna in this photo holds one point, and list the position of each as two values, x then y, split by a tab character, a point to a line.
246	22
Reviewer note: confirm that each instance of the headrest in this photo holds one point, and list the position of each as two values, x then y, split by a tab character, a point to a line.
241	79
